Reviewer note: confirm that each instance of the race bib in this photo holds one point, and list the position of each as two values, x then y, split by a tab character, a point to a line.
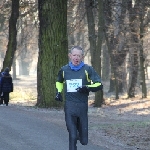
73	84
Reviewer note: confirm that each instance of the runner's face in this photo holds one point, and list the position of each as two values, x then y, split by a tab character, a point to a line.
76	56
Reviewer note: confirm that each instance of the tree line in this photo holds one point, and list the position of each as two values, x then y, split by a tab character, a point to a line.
114	34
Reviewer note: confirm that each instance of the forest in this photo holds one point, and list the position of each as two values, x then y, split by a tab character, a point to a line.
35	37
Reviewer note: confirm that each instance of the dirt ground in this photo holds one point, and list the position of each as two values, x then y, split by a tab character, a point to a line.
122	124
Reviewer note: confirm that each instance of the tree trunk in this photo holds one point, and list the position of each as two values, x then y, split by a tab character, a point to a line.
24	67
142	59
134	27
12	43
97	54
105	63
95	48
115	14
112	82
14	69
53	48
133	74
91	29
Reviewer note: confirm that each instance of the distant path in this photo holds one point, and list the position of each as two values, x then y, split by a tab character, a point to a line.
31	129
26	80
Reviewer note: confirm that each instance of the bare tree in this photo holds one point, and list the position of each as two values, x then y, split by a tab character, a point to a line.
97	53
137	15
12	42
115	39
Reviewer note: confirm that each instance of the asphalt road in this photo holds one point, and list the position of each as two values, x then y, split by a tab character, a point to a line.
28	129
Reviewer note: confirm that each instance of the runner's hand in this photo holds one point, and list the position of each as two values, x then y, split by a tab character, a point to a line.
83	89
58	97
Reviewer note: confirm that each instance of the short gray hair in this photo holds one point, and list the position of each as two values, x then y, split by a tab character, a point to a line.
77	47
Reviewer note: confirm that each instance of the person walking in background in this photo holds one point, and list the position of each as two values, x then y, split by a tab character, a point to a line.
79	79
6	86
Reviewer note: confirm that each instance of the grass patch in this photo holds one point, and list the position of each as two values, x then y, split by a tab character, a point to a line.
23	94
134	124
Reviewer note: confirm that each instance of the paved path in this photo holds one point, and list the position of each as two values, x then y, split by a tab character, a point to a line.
28	129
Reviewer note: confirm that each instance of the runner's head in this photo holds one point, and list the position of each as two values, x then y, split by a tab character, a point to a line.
76	55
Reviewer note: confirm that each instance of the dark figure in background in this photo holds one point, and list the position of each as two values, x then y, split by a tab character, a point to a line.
79	79
6	86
